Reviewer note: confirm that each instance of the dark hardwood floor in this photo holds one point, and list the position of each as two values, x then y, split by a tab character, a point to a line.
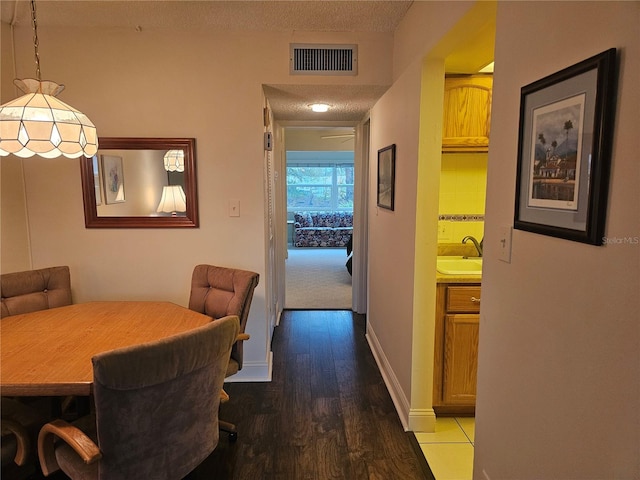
326	414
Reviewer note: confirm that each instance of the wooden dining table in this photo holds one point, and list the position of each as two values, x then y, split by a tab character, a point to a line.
48	352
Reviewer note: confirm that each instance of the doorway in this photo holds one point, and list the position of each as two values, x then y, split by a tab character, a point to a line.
319	200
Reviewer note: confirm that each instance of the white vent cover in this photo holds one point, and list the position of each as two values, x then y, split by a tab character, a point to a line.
314	59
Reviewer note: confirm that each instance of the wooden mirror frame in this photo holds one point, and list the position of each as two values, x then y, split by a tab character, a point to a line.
92	220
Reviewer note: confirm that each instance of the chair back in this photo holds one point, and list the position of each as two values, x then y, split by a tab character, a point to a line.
221	291
157	403
33	290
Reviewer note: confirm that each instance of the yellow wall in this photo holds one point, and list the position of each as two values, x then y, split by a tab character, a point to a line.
463	182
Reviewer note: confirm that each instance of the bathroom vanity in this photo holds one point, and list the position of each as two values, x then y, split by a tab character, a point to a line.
456	344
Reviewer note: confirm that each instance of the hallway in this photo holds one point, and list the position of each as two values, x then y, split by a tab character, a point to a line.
326	414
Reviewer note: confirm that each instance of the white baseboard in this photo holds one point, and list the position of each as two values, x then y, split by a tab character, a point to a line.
254	372
422	420
391	381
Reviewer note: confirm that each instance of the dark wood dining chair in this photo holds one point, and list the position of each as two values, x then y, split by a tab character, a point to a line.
219	291
20	425
156	410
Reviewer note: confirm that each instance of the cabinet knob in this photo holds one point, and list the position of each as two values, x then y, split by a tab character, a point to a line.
475	300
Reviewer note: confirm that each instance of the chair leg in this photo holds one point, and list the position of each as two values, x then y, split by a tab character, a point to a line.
230	428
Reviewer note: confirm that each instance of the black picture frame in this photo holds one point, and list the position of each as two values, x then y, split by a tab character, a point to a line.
387	177
564	151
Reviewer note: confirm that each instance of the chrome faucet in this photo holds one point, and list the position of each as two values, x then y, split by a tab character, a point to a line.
475	242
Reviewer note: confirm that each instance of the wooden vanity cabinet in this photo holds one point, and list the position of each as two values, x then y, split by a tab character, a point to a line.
456	348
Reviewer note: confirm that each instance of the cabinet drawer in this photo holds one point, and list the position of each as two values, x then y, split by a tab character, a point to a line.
463	299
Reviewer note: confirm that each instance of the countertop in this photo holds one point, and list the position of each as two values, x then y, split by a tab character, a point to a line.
442	278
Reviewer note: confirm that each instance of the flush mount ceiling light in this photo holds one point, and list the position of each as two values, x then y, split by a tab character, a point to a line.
487	68
174	161
319	107
37	123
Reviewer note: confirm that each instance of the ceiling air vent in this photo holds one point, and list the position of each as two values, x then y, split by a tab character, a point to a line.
313	59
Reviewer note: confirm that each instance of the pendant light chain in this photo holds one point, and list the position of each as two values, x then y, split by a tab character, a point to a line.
34	24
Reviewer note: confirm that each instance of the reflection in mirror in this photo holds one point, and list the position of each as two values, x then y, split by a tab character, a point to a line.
141	182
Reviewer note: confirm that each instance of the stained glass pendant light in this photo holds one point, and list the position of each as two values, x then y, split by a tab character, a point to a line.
37	123
174	161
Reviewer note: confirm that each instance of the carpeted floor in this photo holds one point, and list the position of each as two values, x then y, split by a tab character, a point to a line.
317	279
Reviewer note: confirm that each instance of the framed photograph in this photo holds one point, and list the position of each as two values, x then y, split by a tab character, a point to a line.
386	176
113	179
564	151
96	180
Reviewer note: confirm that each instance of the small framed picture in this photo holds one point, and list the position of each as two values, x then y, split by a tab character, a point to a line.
386	176
564	151
96	180
113	179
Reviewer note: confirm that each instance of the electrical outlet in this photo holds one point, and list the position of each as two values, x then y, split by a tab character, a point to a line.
504	247
234	208
444	231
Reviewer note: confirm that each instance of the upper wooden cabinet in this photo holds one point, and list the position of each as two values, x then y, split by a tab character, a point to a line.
467	113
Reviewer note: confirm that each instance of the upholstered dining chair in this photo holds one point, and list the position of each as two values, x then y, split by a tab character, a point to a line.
219	291
156	410
25	292
34	290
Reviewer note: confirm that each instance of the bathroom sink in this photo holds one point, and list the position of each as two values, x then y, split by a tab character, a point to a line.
451	265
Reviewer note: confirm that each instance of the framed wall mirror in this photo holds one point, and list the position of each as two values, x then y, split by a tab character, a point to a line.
140	183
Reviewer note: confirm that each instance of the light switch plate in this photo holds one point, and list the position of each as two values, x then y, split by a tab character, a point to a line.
504	246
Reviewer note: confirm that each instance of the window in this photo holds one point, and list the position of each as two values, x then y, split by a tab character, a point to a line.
320	186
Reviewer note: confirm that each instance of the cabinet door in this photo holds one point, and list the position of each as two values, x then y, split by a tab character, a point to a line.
460	359
467	114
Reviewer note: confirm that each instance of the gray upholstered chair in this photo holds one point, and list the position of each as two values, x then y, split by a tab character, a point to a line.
220	291
33	290
156	410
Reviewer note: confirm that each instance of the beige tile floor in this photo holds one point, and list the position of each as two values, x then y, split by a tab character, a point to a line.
449	450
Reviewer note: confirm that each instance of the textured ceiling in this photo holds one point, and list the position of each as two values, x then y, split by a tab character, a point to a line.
288	102
319	15
348	103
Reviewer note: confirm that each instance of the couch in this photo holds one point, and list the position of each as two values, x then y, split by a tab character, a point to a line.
322	229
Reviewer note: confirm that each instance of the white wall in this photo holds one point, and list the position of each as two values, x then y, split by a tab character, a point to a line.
394	120
167	83
15	252
403	243
559	367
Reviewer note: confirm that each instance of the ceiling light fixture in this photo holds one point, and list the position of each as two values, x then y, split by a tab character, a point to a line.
487	68
174	161
319	107
37	123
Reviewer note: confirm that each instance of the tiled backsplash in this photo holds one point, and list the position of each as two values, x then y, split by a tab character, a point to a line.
453	228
